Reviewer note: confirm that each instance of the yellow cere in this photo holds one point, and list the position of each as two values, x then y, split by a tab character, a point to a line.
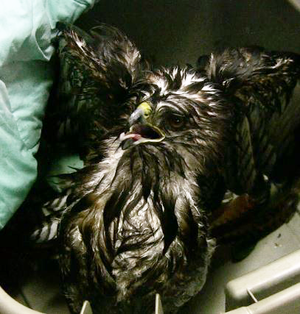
145	106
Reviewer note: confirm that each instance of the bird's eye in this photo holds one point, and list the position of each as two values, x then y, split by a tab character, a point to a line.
176	121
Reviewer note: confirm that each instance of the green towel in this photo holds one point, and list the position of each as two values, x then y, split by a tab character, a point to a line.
26	30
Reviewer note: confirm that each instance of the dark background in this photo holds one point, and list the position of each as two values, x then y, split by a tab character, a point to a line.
179	31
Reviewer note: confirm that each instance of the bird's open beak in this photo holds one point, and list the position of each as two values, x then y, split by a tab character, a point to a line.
140	130
139	134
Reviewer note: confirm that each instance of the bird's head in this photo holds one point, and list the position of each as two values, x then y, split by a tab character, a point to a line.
179	109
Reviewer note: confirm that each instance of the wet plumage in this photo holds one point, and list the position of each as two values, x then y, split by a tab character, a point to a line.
262	161
131	225
161	149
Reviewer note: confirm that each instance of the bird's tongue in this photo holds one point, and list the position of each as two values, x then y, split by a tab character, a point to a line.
144	131
140	133
133	136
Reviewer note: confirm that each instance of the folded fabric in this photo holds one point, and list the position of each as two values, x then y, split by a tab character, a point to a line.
26	30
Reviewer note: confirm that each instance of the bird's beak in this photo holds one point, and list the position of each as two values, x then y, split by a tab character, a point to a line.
140	130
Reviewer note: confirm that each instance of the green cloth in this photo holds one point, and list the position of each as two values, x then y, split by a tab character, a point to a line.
26	30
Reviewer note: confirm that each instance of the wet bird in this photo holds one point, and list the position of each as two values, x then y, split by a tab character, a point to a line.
129	223
162	150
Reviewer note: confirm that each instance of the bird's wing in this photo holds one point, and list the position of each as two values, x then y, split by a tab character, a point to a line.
52	212
262	155
96	71
260	87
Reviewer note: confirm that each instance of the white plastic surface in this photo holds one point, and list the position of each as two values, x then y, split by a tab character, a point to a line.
86	308
10	306
283	302
295	3
264	281
158	305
